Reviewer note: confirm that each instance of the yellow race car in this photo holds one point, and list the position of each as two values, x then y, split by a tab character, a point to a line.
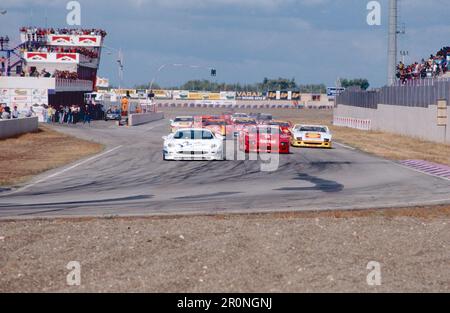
311	136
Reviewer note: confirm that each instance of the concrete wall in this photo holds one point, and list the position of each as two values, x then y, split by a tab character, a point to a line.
27	83
139	119
14	127
416	122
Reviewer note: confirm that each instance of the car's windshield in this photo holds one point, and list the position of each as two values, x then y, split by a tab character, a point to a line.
265	130
194	135
215	123
245	122
282	124
313	129
184	119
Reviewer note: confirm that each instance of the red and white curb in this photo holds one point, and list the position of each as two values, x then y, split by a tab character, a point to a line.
433	169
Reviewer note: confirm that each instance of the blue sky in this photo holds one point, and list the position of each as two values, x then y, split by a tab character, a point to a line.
314	41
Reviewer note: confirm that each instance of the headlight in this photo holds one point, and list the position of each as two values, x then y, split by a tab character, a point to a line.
213	146
171	145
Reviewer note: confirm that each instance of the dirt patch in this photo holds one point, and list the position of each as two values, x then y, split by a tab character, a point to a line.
256	253
28	155
386	145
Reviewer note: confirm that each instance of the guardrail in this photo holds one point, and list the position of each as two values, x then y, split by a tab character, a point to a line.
73	85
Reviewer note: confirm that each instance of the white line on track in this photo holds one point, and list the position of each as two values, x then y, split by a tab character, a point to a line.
61	172
344	146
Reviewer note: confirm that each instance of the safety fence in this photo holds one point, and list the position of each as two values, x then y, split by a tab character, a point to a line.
419	94
356	123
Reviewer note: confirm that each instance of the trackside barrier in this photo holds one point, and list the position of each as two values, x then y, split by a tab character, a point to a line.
14	127
139	119
356	123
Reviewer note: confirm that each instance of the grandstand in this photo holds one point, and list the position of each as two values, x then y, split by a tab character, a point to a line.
49	67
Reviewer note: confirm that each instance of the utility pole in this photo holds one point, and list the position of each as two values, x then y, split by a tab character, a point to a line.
392	45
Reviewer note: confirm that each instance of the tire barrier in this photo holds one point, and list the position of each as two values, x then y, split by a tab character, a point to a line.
356	123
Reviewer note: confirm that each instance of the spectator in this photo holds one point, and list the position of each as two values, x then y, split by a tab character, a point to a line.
69	115
15	113
49	114
30	112
87	115
6	115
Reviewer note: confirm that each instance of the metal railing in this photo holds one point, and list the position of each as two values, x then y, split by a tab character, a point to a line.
418	94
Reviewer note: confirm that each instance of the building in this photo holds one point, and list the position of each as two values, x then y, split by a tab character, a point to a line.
53	67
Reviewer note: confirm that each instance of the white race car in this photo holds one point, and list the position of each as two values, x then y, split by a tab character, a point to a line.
311	136
193	144
181	122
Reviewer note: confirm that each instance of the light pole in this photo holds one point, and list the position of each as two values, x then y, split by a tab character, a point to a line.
392	48
404	54
120	63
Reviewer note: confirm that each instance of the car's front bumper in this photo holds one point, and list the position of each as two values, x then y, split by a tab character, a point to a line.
193	155
312	144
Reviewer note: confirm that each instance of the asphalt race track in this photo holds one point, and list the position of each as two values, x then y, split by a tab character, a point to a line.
131	178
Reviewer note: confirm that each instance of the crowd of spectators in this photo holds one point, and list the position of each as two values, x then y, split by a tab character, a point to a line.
33	72
66	75
33	47
435	66
40	34
60	114
6	113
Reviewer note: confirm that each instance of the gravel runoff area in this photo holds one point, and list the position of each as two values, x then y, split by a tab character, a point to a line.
303	252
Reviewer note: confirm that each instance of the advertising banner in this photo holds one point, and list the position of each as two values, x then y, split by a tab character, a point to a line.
272	95
213	96
180	94
284	95
163	94
75	40
198	96
45	57
102	82
39	96
228	95
249	95
295	96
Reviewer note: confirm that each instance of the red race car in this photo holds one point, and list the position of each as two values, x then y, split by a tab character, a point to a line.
263	138
284	125
242	124
218	126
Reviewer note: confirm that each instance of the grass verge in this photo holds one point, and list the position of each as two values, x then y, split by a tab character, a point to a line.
25	156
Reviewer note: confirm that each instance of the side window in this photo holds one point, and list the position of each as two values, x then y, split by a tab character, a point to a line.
207	136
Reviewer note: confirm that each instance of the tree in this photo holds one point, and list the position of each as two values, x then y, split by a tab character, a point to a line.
358	82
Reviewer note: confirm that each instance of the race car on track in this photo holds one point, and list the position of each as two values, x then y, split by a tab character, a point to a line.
181	122
284	125
193	144
263	138
242	124
218	126
311	136
237	116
